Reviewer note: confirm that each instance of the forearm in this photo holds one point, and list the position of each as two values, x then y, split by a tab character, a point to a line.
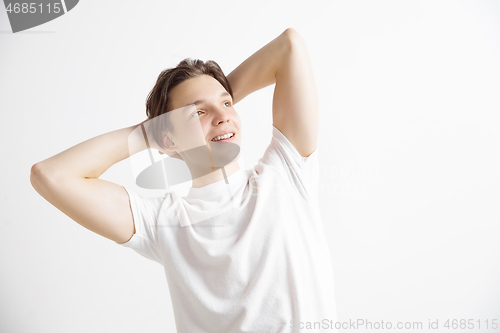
259	70
91	158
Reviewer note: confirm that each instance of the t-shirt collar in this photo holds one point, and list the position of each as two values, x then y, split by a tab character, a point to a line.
220	190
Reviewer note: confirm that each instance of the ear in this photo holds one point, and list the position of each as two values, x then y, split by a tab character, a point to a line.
170	147
168	144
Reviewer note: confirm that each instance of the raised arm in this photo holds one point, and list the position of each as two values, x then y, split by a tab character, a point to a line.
69	181
285	62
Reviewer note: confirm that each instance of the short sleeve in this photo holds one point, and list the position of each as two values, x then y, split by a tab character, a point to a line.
145	214
302	172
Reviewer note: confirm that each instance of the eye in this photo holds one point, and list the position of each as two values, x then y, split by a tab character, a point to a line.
196	113
227	103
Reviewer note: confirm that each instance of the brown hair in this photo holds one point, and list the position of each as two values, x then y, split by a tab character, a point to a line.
158	100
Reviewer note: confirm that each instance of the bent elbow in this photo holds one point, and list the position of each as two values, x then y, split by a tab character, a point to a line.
294	38
35	169
35	175
39	178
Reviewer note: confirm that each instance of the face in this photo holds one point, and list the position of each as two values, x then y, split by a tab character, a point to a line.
202	110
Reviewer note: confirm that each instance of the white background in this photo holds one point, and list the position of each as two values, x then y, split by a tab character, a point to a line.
409	140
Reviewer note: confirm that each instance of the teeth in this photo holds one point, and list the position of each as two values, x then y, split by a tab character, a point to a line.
222	137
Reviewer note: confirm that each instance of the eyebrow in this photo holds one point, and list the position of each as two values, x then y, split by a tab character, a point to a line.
200	101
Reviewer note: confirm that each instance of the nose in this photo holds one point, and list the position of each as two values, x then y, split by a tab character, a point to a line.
220	116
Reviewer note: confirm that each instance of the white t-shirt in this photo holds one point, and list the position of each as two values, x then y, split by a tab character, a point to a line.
248	256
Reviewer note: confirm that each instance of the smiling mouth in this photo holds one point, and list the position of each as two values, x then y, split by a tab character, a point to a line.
226	137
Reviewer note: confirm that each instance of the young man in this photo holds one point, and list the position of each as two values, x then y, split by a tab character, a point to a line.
245	250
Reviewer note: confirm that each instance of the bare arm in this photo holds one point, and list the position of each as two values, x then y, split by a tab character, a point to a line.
284	61
259	70
69	181
91	158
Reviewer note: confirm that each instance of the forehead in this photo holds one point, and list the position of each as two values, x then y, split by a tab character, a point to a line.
196	90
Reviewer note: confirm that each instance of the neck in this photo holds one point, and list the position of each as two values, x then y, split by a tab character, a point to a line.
212	177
